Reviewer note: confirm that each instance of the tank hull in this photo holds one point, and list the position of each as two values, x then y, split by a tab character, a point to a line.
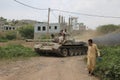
71	49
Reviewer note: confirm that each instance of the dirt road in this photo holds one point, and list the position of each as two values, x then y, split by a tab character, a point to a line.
46	68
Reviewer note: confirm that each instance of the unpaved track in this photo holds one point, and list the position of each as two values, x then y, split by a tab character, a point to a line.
46	68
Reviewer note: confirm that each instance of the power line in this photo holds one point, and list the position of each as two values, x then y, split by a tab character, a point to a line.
29	5
77	13
54	15
85	14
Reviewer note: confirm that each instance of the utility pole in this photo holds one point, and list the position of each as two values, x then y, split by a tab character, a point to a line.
48	22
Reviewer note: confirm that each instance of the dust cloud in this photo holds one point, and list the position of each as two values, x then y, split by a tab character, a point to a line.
89	34
112	39
106	39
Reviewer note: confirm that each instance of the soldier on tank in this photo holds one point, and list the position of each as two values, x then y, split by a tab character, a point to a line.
61	39
64	34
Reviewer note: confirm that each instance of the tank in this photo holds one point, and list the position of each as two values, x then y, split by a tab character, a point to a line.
68	48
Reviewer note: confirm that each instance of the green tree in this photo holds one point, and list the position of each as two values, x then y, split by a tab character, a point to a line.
3	19
27	31
104	29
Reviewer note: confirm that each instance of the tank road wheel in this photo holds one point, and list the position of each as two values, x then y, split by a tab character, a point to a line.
71	52
80	53
75	52
84	52
64	52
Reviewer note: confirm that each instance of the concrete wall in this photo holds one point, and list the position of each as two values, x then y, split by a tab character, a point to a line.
7	27
53	29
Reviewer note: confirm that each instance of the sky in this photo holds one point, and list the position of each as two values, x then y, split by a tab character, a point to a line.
13	10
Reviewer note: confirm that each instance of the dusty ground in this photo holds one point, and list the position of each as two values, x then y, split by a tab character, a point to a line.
45	68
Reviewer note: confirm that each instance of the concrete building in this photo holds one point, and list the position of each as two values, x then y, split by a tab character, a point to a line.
82	26
7	28
72	26
40	28
75	26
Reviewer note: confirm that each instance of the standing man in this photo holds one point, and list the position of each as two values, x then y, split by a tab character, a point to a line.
92	53
64	34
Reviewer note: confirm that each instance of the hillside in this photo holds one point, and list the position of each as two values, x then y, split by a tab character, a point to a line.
16	23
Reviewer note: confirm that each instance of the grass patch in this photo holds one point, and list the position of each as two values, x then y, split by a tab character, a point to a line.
109	67
7	35
3	40
16	51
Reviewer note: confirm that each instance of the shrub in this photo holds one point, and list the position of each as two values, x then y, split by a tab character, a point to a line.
13	51
27	31
2	38
104	29
7	35
10	35
109	67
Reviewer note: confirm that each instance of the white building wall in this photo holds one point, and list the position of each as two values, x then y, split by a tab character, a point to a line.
7	27
40	25
53	28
